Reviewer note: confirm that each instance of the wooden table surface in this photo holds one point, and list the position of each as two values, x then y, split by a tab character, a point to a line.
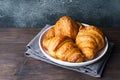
15	66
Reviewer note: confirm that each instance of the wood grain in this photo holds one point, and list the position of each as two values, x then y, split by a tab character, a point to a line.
15	66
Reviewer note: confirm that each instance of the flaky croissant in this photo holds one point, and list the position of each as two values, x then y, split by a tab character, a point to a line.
90	40
65	26
63	48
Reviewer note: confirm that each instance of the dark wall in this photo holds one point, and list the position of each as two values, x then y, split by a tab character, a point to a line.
37	13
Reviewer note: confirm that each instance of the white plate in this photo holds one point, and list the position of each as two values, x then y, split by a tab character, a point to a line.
101	53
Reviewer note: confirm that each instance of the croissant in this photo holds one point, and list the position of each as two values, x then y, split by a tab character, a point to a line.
63	48
50	33
67	27
90	40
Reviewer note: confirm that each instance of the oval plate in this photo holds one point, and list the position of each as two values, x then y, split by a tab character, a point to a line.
101	53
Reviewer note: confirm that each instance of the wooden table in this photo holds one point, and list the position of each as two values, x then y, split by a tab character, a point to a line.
15	66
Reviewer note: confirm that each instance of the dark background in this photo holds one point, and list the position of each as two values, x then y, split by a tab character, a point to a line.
37	13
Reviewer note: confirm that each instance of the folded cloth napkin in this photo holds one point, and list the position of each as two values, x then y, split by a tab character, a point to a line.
94	69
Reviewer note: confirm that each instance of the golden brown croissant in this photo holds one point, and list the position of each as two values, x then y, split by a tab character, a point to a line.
50	33
67	27
90	40
63	48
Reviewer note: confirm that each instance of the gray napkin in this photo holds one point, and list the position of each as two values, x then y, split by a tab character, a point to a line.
94	69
